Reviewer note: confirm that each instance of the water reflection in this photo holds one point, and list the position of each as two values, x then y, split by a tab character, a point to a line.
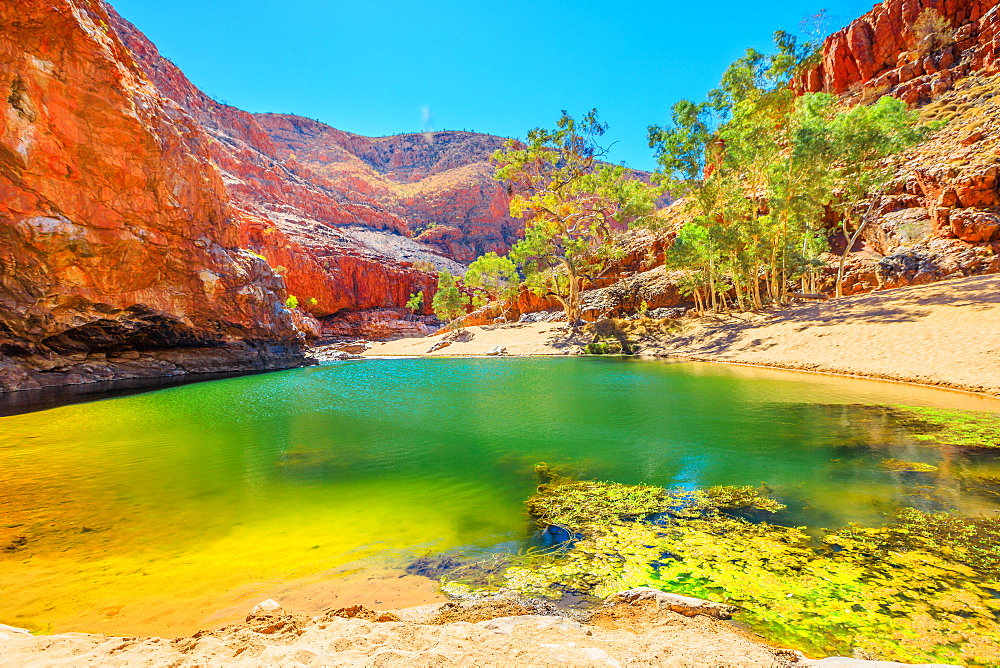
192	495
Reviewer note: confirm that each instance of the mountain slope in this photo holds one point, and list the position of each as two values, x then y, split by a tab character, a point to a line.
440	183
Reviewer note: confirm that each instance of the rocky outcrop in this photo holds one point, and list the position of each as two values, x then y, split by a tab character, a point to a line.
120	253
385	324
438	185
885	52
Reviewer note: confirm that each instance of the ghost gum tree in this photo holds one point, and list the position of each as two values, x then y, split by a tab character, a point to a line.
758	167
573	204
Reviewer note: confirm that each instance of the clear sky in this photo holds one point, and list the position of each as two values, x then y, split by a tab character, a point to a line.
379	67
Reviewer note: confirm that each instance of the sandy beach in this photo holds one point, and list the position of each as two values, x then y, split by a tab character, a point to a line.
944	334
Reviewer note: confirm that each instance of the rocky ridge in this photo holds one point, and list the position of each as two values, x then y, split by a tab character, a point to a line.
438	184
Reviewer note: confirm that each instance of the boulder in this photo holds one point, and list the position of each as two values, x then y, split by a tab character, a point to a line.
973	225
684	605
270	607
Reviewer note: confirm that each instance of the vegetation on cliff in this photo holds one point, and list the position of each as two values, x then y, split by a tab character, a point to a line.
761	168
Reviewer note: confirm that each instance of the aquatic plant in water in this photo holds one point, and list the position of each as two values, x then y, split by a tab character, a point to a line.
920	588
975	429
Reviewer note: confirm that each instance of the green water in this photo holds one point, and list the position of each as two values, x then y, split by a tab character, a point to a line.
133	513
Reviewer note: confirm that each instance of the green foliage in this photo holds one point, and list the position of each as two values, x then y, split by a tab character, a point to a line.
759	167
603	348
493	277
573	205
917	589
416	301
313	301
449	302
292	301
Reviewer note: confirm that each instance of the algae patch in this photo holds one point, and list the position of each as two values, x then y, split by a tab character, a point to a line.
921	588
974	429
910	467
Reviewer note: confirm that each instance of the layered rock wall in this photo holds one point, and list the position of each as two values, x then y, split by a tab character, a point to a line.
119	251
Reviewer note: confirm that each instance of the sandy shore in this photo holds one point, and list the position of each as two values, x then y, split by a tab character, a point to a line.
945	334
639	634
543	338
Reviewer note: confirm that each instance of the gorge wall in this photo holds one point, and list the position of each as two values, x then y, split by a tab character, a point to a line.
941	217
148	230
120	252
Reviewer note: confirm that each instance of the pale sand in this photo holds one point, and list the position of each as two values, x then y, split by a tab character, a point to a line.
661	638
543	338
945	334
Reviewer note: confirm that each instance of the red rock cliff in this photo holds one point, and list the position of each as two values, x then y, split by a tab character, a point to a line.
305	228
883	51
120	255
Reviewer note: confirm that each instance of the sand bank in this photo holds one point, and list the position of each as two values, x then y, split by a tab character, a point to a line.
944	334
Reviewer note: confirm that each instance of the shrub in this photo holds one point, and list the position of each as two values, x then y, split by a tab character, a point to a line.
292	301
931	31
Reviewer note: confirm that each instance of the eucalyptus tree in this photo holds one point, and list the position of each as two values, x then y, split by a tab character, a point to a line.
866	137
448	302
573	205
759	166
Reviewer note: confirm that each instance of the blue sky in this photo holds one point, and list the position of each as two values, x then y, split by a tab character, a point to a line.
375	67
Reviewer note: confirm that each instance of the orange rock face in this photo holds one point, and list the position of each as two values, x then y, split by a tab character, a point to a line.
882	52
120	253
300	222
335	212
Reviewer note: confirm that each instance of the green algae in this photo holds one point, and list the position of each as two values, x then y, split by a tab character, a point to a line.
920	588
911	467
974	429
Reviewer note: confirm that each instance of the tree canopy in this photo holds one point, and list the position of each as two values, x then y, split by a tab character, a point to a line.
573	205
760	167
